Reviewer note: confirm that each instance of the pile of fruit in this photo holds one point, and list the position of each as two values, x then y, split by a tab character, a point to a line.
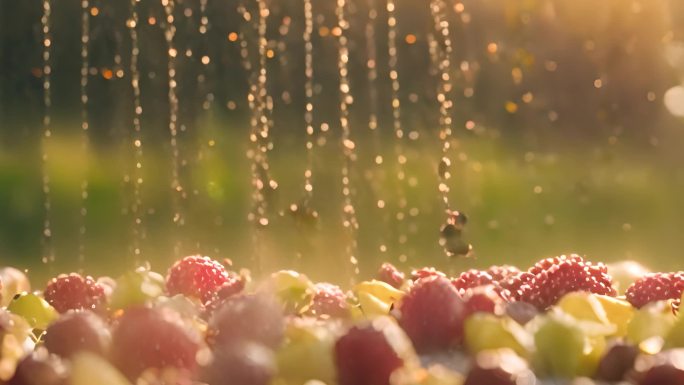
564	320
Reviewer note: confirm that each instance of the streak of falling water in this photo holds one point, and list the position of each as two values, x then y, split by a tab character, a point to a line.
372	76
205	59
348	146
308	90
137	208
451	232
176	186
85	126
48	247
400	215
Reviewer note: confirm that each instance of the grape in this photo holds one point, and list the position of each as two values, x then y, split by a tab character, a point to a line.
295	291
565	349
675	336
653	320
136	288
485	331
89	369
40	368
77	331
307	352
33	309
13	282
244	363
521	312
256	317
617	361
665	368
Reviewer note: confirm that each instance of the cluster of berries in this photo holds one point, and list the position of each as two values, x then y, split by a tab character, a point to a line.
205	324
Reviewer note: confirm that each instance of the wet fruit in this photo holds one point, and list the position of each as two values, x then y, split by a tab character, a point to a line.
75	332
196	276
75	292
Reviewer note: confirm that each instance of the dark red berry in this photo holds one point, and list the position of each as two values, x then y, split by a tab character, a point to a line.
152	338
329	301
244	363
432	314
656	287
363	356
472	278
252	317
500	367
391	275
40	368
568	275
425	272
547	263
617	362
663	368
483	299
74	292
233	286
513	285
196	276
77	331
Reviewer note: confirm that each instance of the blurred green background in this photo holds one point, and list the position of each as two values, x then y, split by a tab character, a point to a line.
566	137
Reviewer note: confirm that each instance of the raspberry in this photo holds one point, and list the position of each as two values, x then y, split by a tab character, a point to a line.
196	276
391	275
483	299
329	301
503	272
77	331
472	278
564	275
363	356
74	292
425	272
656	287
547	263
514	285
432	314
233	286
152	338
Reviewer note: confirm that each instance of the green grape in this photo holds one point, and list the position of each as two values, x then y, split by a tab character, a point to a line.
565	349
88	369
376	297
35	310
675	336
136	288
652	320
307	353
295	291
484	331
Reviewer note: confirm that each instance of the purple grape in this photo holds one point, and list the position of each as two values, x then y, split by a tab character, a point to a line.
244	363
77	331
40	368
256	318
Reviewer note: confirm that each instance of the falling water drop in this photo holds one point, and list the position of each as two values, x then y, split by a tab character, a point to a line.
348	146
401	204
451	232
203	29
48	247
85	125
177	188
137	209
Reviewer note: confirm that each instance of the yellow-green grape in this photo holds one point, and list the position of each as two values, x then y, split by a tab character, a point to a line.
433	375
14	343
136	288
484	331
13	282
307	353
35	310
565	350
295	291
653	320
376	297
612	312
88	369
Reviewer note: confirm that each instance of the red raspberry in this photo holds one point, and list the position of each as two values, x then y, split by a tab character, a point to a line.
196	276
74	292
483	299
391	275
363	356
472	278
656	287
432	314
425	272
152	338
329	301
233	286
568	275
547	263
503	272
514	285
